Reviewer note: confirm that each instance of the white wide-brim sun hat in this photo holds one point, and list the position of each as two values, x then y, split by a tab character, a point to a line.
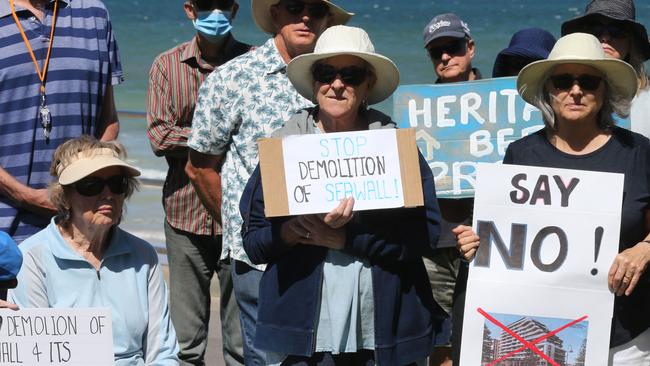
87	162
261	10
583	49
344	40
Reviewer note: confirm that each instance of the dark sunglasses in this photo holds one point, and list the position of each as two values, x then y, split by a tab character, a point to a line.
205	5
316	10
92	186
585	81
351	75
614	29
452	48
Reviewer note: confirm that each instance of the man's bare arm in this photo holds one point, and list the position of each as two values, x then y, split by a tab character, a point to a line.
204	173
35	200
109	125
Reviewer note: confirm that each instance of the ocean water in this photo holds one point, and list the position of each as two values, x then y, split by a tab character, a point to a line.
145	28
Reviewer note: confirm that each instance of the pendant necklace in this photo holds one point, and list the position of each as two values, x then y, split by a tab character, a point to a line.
44	115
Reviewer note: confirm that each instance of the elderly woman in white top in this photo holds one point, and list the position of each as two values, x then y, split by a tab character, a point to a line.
83	259
344	288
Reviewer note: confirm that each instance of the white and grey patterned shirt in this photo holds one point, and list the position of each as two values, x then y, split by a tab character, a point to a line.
246	99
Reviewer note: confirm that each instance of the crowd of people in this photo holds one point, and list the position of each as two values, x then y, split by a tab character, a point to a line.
382	287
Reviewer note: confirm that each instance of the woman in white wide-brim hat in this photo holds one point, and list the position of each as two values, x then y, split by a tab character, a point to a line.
344	289
578	89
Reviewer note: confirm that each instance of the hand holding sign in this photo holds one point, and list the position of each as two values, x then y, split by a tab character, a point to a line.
320	233
323	230
341	214
627	269
7	305
467	241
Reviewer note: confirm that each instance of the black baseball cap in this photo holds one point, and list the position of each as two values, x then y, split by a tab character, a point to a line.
445	25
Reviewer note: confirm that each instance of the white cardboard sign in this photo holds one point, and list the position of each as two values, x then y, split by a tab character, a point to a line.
332	166
537	288
75	337
309	174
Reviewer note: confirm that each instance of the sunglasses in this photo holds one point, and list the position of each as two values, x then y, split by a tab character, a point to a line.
205	5
453	48
317	10
585	81
614	29
92	186
351	75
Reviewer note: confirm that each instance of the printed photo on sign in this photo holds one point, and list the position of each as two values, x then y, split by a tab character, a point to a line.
461	124
510	339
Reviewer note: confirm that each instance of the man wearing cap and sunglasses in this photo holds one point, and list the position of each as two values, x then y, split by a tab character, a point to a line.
246	99
450	47
193	237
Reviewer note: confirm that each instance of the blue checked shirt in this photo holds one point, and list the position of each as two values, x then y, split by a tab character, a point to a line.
84	60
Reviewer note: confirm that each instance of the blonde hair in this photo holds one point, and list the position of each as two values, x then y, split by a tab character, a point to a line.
66	154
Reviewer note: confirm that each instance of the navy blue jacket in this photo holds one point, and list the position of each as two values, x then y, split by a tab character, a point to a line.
408	322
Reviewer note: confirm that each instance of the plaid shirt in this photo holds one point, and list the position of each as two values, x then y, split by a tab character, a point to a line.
174	82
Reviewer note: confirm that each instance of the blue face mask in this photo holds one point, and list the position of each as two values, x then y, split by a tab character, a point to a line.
214	25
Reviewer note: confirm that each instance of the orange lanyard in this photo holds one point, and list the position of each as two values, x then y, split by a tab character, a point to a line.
41	74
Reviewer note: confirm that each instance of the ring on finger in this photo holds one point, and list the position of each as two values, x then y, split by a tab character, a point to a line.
308	235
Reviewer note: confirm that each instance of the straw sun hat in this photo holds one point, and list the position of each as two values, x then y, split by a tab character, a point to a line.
344	40
261	10
583	49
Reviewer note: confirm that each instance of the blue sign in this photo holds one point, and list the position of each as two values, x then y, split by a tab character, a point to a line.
461	124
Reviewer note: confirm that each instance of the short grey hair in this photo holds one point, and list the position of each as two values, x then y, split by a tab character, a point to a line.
612	103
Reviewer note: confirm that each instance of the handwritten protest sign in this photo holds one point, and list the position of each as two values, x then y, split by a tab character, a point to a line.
75	337
537	286
461	124
311	173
